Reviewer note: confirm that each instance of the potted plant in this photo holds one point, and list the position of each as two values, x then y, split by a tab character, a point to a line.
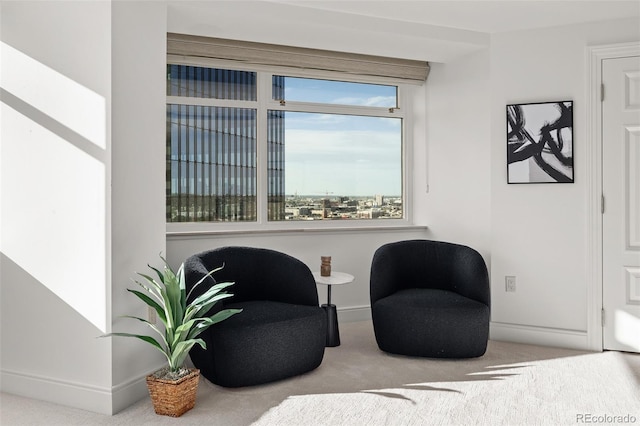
173	388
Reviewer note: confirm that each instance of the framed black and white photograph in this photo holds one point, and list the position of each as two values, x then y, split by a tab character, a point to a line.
540	142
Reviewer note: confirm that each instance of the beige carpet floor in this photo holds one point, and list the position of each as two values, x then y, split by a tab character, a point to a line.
357	384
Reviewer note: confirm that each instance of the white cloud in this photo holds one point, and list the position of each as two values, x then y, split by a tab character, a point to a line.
348	163
375	101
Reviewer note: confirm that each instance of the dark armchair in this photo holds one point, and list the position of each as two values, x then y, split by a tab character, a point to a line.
430	299
281	331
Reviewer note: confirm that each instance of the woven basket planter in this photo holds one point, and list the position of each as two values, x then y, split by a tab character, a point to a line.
173	397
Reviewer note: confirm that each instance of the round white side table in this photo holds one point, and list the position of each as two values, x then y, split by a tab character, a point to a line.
336	278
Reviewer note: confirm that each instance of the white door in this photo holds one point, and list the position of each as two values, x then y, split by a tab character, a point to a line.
621	190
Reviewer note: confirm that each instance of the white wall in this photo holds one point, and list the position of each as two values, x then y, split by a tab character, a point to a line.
82	196
138	183
56	93
458	160
539	232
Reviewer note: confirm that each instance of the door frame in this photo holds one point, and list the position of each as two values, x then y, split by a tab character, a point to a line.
595	56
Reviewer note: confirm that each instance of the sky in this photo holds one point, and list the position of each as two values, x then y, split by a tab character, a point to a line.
341	154
337	154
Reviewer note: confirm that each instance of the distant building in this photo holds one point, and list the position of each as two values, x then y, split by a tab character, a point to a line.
197	189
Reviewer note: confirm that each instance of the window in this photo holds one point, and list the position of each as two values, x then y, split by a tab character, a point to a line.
261	147
211	149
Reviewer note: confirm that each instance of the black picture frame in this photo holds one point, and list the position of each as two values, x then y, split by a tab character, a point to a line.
540	142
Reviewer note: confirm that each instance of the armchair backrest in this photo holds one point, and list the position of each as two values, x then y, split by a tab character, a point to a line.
258	274
429	264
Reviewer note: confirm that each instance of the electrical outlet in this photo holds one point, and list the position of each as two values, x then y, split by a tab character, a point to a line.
510	283
152	315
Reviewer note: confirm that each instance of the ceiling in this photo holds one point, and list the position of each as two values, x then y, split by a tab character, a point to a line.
480	15
435	31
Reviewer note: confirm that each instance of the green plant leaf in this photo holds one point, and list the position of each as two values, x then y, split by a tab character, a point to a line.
168	311
151	325
160	274
182	332
144	338
183	289
151	303
203	303
203	308
151	280
206	322
223	315
204	278
146	299
182	350
153	291
214	290
182	323
172	287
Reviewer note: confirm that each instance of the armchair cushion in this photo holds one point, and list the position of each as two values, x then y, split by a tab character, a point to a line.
451	325
268	341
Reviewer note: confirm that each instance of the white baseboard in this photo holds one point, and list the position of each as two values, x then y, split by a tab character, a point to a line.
354	313
102	400
77	395
130	392
543	336
517	333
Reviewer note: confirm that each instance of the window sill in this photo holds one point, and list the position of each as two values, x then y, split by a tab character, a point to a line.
293	231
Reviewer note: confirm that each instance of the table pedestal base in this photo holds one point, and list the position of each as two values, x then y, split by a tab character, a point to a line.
333	334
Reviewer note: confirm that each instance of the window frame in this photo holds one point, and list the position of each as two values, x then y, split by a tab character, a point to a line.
264	103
